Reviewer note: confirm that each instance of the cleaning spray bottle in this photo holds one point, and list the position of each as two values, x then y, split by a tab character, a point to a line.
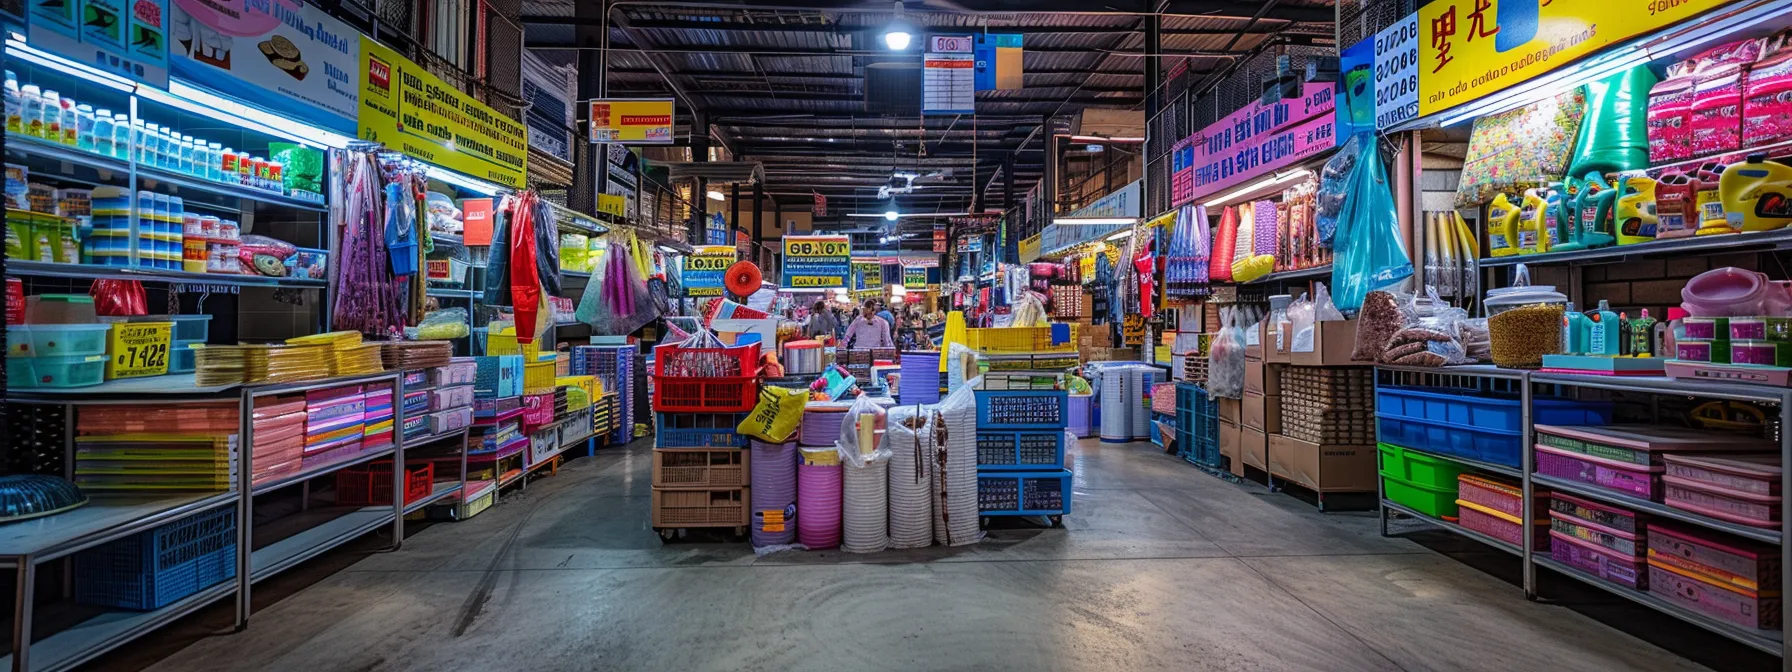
1757	196
1676	216
1708	201
1603	331
1502	227
1635	211
1533	227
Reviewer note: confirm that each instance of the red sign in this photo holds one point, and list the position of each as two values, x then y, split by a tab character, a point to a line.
939	239
820	207
476	217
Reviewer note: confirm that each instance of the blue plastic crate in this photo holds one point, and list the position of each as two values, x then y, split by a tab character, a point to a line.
1025	450
1485	428
1023	493
698	430
1032	409
153	569
1197	425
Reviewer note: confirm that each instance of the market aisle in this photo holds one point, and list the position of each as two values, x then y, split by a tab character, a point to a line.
1161	567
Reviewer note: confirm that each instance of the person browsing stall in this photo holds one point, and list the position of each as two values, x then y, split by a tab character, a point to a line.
868	330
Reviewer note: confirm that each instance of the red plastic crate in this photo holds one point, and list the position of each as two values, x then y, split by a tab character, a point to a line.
669	355
704	395
372	485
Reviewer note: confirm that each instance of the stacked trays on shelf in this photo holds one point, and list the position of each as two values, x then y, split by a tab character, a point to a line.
701	468
614	367
497	419
1020	450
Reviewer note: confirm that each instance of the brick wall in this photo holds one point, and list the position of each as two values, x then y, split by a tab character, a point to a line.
1644	283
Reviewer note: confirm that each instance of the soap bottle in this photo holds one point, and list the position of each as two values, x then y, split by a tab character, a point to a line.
1634	214
1642	336
1603	331
1574	331
1533	231
1709	203
1602	205
1502	227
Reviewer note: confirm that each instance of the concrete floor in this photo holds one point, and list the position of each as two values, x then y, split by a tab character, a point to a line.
1160	567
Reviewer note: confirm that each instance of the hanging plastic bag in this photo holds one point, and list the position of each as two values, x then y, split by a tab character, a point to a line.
865	419
1300	322
1323	308
1029	311
1372	255
777	415
1334	189
1225	365
119	298
1384	314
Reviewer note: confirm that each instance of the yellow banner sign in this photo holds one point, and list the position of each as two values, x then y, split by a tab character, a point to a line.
415	113
633	122
705	268
1473	48
611	204
817	261
1029	248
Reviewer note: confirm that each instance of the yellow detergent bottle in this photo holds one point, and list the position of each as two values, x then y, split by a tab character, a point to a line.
1757	195
1636	209
1710	204
1533	228
1502	227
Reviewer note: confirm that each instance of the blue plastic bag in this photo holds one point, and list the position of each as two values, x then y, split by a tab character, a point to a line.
1370	253
1334	188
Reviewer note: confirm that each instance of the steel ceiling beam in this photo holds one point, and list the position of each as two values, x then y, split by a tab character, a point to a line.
840	30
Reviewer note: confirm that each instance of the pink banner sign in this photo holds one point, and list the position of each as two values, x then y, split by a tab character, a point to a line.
1259	138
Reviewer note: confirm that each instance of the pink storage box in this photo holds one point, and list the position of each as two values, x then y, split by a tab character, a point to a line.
459	371
1741	508
1655	439
1746	564
1599	561
450	420
1079	423
1495	494
1593	514
1743	608
1603	537
450	397
341	452
1628	479
1749	474
486	408
1496	526
538	409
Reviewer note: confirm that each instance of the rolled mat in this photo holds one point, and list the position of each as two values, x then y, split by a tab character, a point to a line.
866	506
920	378
821	426
774	493
910	440
818	487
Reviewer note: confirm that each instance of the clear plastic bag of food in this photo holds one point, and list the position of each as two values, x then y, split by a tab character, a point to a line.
445	324
1384	314
1225	364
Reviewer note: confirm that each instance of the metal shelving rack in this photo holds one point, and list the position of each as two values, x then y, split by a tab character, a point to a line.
26	545
1769	641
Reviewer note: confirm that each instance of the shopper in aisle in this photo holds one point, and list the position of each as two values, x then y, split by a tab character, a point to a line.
822	322
868	330
883	311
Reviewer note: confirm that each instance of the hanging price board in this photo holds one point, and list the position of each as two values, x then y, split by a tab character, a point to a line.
1132	330
704	270
817	262
914	278
138	349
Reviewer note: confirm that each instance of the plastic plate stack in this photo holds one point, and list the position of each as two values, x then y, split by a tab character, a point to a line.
774	493
818	498
956	519
910	440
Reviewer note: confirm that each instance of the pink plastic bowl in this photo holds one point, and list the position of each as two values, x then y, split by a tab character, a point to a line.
1733	292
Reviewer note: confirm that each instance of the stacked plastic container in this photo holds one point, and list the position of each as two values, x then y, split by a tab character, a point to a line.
774	513
910	437
819	488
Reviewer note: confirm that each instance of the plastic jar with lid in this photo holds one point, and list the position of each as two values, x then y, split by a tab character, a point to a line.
52	116
122	139
71	123
214	158
104	132
1524	322
84	122
31	110
14	104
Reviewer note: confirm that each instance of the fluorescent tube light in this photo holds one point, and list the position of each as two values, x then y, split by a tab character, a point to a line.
1096	220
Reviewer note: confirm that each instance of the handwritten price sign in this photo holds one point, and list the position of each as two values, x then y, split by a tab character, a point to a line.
138	349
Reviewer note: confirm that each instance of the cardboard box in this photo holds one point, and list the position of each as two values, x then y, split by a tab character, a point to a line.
1332	344
1254	448
1230	410
1323	468
1231	441
1262	412
1276	352
1262	378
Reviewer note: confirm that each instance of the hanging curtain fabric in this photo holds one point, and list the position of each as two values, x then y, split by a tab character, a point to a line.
1145	264
1194	218
367	298
1223	249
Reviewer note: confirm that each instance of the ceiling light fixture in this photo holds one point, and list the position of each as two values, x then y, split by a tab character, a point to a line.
891	215
1117	236
896	36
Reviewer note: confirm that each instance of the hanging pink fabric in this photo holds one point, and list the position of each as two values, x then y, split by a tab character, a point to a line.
525	284
1264	227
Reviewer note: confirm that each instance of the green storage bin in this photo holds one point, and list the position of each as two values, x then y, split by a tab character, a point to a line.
1418	468
1431	501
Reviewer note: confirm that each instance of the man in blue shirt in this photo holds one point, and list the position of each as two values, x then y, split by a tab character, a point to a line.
889	318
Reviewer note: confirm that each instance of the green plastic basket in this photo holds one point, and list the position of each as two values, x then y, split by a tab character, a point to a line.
1418	468
1434	502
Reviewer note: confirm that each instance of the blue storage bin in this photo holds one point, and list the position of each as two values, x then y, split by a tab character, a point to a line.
1028	409
153	569
698	430
182	358
1023	493
1025	450
1490	429
1197	426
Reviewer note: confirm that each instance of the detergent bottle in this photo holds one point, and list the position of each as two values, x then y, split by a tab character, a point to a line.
1676	216
1709	203
1594	212
1502	227
1533	230
1603	331
1635	210
1552	207
1757	196
1574	331
1568	216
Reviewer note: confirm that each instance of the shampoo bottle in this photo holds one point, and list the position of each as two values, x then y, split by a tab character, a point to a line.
1574	331
1502	227
1533	227
1603	331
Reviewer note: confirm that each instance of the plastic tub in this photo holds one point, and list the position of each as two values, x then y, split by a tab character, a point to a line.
1606	538
56	340
1418	468
1745	565
1594	514
1598	561
1733	292
1627	479
1437	502
186	327
182	358
1523	322
1487	428
1736	507
81	371
1491	493
1495	524
1754	474
1744	608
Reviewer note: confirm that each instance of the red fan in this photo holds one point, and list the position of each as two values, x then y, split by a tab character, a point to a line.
743	278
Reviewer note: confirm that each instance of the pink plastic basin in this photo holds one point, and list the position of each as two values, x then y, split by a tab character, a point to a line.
1733	292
